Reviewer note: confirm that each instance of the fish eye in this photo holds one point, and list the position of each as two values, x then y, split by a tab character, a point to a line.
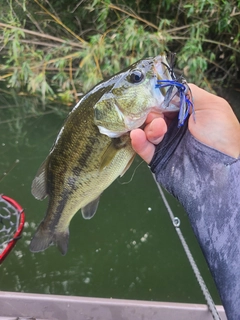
136	76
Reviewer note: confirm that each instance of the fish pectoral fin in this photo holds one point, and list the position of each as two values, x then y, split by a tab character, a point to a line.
108	155
90	209
128	165
39	184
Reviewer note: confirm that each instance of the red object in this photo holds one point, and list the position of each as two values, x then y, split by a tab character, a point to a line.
15	238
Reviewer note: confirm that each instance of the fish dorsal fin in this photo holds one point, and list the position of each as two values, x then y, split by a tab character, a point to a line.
128	165
90	209
39	184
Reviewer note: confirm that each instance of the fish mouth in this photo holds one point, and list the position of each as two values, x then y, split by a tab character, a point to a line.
163	72
136	121
161	68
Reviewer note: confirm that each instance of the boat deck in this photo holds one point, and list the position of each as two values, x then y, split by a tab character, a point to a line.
28	306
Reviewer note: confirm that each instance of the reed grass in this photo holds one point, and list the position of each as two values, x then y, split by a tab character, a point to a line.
58	50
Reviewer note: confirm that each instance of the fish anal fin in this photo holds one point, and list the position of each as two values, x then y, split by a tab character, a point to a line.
90	209
128	165
39	184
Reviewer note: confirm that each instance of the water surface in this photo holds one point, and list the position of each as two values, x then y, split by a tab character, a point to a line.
128	250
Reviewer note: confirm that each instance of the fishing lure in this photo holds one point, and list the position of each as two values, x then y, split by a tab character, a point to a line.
183	91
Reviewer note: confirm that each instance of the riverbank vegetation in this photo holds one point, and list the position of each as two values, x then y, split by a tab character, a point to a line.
57	50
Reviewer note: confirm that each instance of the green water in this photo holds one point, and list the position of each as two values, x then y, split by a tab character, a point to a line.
128	250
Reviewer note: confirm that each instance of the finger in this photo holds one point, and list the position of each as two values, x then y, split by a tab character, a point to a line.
141	145
156	130
153	115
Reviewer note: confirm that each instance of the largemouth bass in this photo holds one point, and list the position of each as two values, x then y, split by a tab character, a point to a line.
93	147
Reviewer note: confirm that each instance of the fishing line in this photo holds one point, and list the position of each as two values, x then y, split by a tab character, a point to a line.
9	170
176	223
133	174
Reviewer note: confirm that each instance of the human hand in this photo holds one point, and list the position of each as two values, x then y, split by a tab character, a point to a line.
204	181
215	125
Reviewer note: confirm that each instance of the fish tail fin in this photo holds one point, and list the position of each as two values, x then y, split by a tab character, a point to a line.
61	240
44	237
